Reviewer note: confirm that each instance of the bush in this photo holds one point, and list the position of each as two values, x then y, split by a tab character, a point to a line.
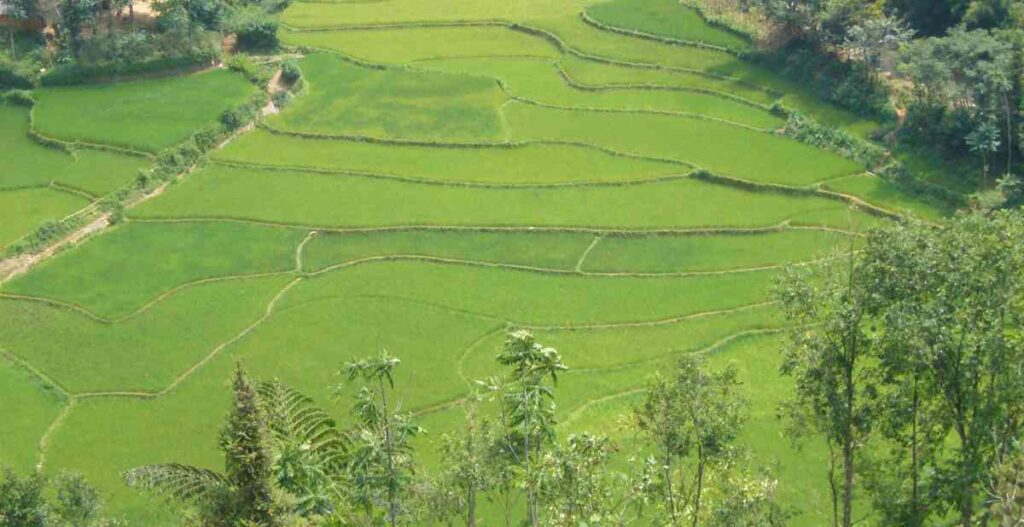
82	73
844	83
16	74
18	97
254	28
244	65
290	71
282	99
805	130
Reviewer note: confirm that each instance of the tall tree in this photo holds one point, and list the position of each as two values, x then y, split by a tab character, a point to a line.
528	404
698	413
381	462
467	471
243	493
826	355
954	294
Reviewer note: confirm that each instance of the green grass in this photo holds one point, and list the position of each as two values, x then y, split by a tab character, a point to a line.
599	74
500	294
142	353
25	163
345	98
138	262
722	148
537	249
302	14
886	194
22	211
525	165
660	254
538	80
145	115
28	406
321	200
403	45
664	18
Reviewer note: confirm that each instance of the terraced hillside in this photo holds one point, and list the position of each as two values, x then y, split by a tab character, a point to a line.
608	176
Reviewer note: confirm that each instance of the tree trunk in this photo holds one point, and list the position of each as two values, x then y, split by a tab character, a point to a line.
848	467
392	480
1009	135
668	489
915	508
10	33
700	485
131	15
471	506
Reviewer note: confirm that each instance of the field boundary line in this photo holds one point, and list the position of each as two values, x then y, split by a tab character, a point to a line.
298	251
145	307
587	19
442	260
44	440
552	38
639	111
461	363
576	412
19	362
583	256
467	144
241	335
616	86
709	349
450	183
647	323
619	232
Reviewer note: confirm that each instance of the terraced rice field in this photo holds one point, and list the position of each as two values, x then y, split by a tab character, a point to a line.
455	167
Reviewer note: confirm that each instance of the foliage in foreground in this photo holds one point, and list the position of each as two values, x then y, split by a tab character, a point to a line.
67	500
907	361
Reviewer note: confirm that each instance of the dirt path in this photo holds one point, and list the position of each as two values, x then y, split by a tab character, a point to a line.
17	265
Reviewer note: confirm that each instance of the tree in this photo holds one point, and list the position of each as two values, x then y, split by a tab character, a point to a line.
963	82
78	503
1006	498
36	501
826	356
953	294
874	37
697	413
74	15
243	493
467	471
581	487
984	140
381	463
21	500
529	409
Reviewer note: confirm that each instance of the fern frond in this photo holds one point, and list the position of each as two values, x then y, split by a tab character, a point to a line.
176	481
295	418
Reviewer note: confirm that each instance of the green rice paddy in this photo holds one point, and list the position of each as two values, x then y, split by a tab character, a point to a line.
454	167
145	115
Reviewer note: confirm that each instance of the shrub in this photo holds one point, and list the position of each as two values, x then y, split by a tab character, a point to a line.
290	71
282	99
16	74
845	83
78	73
254	28
18	97
806	130
244	65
